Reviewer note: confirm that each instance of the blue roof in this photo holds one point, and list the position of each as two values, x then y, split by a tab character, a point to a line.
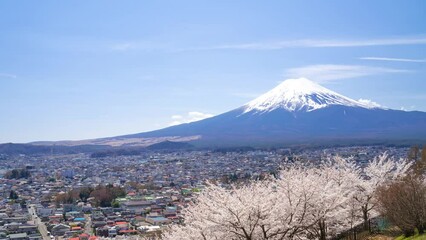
159	218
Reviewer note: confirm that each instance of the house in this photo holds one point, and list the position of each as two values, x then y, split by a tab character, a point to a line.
84	236
12	227
121	225
146	229
16	219
157	220
76	229
70	234
71	208
3	233
112	232
137	206
35	237
97	224
170	211
59	229
87	209
28	229
102	231
74	214
128	232
45	212
55	218
18	236
80	219
3	216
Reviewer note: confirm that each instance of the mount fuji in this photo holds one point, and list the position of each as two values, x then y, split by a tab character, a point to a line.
301	111
295	95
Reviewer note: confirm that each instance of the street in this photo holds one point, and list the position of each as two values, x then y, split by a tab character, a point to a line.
88	226
41	226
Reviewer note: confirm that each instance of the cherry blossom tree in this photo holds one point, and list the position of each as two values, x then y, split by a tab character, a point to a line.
335	180
303	202
254	211
381	170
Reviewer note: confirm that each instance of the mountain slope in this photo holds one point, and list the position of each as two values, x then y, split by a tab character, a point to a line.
299	110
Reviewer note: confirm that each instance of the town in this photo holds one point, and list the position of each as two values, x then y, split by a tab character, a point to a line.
80	197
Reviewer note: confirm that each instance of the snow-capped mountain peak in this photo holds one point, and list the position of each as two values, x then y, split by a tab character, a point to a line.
300	95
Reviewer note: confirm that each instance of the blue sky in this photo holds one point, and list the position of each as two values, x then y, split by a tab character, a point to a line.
89	69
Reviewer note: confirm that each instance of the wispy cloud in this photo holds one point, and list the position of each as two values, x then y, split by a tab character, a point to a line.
369	103
7	75
332	72
411	108
394	59
143	45
324	43
190	117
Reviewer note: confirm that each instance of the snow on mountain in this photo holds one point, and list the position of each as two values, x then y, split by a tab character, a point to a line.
301	95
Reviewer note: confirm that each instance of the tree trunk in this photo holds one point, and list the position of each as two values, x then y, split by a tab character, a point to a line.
365	217
408	232
322	228
421	229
